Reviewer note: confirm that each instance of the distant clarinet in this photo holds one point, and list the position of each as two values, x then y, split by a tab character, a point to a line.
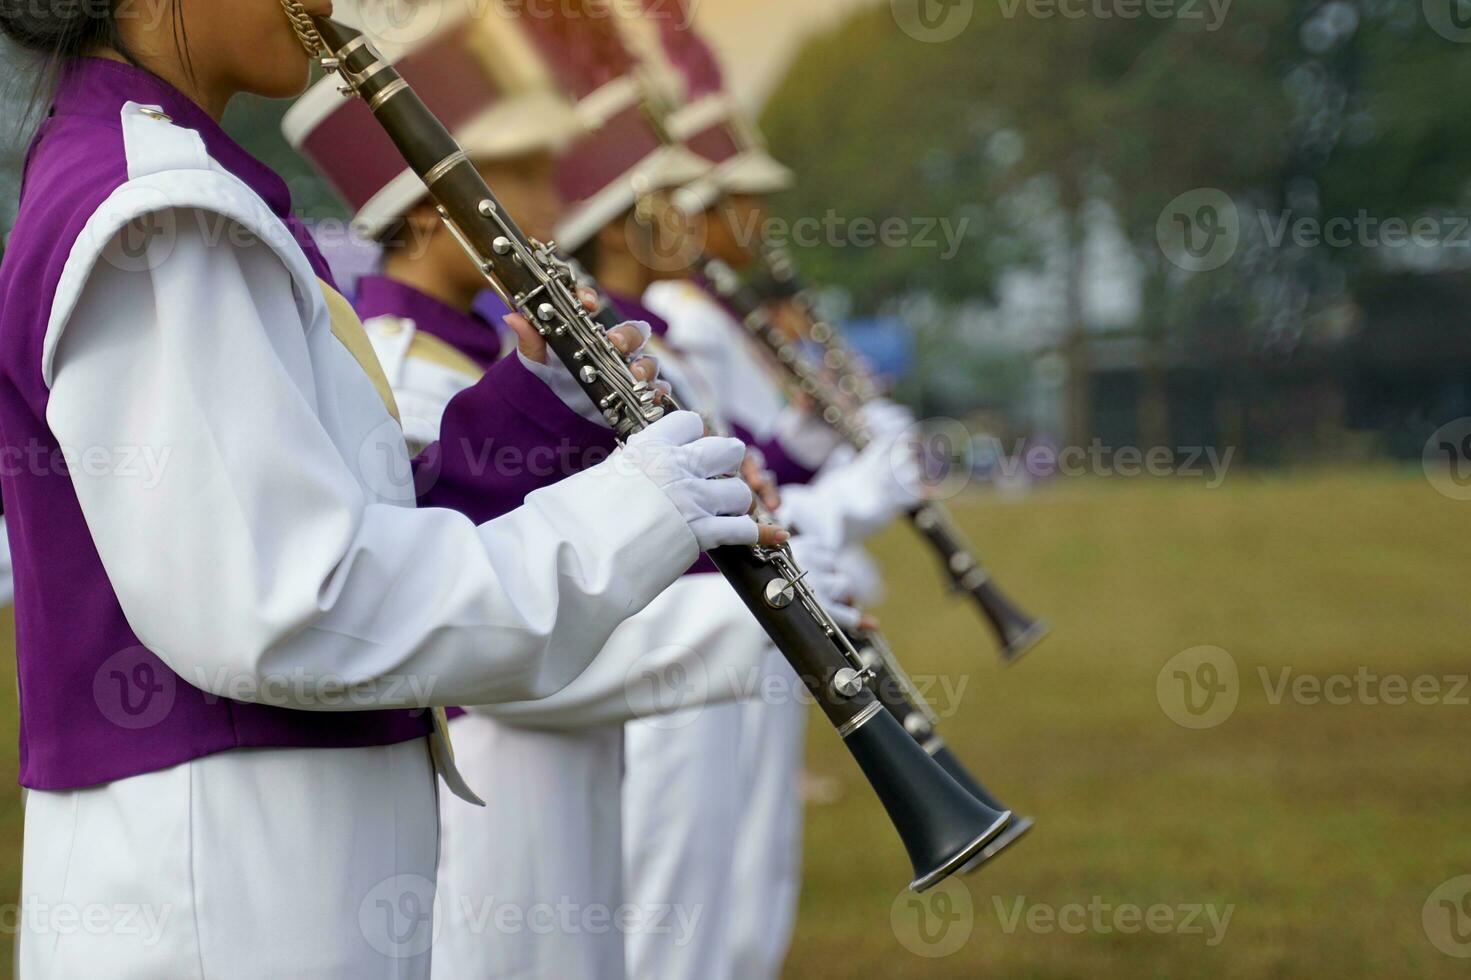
942	826
782	283
1016	632
899	695
902	698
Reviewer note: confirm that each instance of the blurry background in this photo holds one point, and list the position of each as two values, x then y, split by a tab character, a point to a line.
1192	278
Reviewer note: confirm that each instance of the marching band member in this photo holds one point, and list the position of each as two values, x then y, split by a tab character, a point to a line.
550	839
820	474
224	658
681	809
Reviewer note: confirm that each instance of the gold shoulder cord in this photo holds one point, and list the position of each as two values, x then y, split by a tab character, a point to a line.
301	23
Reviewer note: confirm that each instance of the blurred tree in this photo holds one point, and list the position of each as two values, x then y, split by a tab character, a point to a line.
1293	108
880	126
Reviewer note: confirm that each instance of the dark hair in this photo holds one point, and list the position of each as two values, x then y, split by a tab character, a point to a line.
62	29
59	31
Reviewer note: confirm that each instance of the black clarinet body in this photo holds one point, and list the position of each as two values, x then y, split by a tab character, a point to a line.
942	826
1016	632
900	697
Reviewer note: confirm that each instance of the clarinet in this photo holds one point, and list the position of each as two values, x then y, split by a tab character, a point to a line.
782	284
891	683
902	698
1016	632
943	827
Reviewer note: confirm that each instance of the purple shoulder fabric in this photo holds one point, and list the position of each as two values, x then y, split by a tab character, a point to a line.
634	309
502	438
788	471
478	336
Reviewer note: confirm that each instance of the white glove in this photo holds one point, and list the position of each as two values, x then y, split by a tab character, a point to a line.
864	573
886	419
832	586
856	496
695	472
555	375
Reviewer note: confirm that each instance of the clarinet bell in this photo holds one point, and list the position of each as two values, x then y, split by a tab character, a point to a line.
1013	832
943	827
1015	630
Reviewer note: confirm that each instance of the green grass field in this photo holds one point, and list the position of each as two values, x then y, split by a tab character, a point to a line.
1323	828
1326	826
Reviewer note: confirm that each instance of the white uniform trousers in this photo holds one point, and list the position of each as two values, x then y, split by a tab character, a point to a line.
299	864
681	810
766	875
531	885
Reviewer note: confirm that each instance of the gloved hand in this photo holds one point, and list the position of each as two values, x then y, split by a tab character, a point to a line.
629	338
857	495
886	419
695	472
833	586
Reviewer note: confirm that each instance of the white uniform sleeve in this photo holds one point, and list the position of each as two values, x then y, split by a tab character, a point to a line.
255	555
695	644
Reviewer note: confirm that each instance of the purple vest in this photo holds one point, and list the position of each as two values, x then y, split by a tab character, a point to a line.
477	334
504	436
96	706
508	415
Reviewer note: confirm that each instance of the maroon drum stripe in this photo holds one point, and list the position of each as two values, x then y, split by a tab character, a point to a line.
579	40
716	144
603	158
